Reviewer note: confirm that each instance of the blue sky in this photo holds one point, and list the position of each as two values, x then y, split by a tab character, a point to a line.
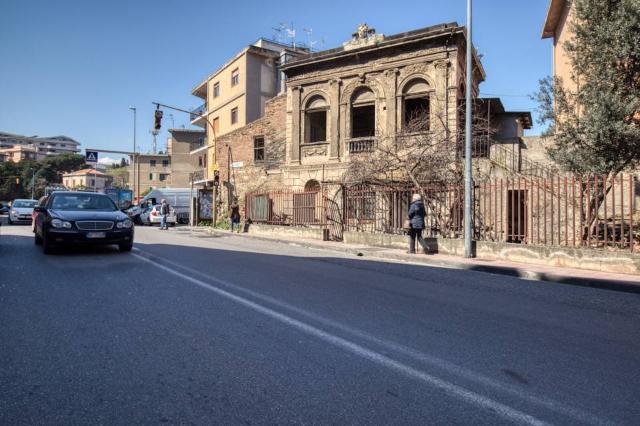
74	67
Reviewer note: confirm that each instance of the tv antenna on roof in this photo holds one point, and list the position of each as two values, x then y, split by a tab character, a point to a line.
291	33
311	42
277	33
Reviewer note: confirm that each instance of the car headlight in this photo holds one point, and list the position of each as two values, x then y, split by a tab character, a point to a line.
13	213
57	223
124	224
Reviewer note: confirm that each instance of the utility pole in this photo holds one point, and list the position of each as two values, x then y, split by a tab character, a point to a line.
133	157
33	182
468	177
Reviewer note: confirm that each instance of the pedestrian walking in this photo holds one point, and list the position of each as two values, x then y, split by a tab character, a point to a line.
416	224
234	214
164	212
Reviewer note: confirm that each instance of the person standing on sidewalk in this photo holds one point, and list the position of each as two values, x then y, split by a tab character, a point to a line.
164	212
416	218
234	214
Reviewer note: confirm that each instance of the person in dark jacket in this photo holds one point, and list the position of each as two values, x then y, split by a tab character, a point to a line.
164	212
234	210
416	218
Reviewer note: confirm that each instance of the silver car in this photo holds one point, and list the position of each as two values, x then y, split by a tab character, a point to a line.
151	216
22	210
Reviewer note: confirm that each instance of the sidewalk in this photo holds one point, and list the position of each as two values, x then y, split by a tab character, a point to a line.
611	281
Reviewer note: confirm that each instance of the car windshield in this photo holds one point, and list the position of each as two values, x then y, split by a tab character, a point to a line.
83	202
25	203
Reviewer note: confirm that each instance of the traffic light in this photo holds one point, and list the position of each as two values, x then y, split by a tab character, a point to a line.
158	117
216	178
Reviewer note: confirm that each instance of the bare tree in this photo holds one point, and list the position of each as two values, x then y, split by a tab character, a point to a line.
426	157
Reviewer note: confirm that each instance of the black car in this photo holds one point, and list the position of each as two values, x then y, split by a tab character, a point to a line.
77	218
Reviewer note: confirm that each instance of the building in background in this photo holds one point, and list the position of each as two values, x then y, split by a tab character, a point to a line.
235	94
18	153
154	171
558	26
44	146
86	178
183	164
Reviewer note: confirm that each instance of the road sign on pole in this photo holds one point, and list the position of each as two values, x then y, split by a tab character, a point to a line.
91	156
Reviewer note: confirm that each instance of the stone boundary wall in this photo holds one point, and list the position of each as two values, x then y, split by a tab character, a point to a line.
286	231
598	260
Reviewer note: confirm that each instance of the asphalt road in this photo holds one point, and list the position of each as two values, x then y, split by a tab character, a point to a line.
193	329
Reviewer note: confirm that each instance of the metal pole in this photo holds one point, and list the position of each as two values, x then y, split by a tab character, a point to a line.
468	177
33	181
133	157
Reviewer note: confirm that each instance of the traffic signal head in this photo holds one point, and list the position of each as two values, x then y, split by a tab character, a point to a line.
216	178
158	117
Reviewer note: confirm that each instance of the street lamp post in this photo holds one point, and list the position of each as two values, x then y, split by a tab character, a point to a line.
468	177
133	157
33	181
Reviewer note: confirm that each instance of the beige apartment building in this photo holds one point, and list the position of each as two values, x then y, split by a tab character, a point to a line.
183	164
44	146
153	170
235	94
558	26
86	178
18	153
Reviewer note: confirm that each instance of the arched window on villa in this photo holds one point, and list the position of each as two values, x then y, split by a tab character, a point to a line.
315	120
416	106
312	185
363	113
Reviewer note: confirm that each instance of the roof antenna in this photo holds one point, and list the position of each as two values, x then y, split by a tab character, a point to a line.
311	42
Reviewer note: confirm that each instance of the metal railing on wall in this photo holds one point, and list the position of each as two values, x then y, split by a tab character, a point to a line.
286	207
595	212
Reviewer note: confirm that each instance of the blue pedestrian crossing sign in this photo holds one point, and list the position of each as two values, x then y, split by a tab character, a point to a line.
91	156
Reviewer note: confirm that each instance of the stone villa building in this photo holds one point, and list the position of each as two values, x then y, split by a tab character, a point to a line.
340	103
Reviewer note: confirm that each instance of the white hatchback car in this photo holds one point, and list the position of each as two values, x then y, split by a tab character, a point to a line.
151	216
21	210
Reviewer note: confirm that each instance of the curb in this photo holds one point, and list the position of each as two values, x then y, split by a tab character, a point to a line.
599	283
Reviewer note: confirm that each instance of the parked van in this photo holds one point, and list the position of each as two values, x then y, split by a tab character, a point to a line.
178	198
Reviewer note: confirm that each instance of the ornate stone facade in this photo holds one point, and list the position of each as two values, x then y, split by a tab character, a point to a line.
343	101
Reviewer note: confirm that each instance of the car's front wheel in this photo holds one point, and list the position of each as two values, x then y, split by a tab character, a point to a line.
124	247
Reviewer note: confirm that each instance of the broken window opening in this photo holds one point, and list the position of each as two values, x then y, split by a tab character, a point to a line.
316	120
416	114
317	125
363	121
363	113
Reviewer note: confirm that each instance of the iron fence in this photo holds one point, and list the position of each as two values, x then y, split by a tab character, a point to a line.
596	212
381	208
286	207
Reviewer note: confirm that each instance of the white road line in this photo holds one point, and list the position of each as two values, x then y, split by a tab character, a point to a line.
581	416
450	388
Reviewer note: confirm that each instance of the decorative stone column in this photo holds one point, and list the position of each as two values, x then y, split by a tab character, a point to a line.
295	125
334	104
442	91
391	83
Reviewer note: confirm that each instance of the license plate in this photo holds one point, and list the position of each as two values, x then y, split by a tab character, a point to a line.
96	235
